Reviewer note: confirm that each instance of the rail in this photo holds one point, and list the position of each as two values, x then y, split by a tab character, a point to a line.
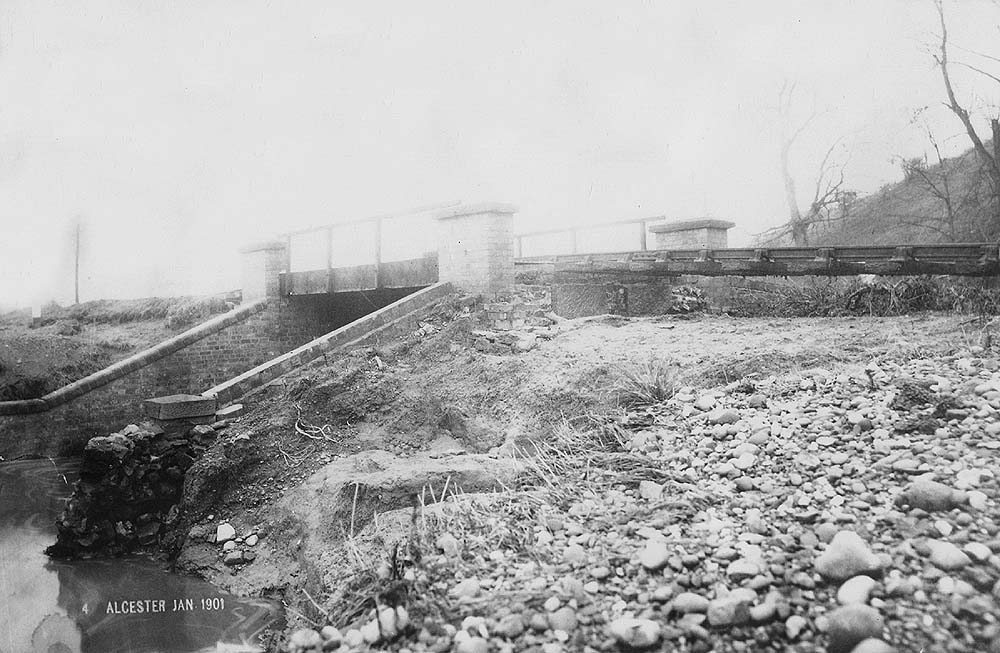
362	246
575	232
963	259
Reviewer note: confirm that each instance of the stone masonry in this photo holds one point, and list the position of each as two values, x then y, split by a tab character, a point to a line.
476	247
703	233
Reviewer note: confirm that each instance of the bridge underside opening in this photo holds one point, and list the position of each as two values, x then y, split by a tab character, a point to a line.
322	313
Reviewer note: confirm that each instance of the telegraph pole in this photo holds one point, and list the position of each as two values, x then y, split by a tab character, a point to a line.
76	294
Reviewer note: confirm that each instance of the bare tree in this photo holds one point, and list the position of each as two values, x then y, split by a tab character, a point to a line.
829	199
990	159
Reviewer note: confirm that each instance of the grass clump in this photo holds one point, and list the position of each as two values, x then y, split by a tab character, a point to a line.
642	383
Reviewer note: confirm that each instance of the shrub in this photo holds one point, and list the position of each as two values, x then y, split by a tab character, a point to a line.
68	327
857	296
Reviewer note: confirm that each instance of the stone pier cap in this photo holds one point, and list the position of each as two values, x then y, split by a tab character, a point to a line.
475	209
690	225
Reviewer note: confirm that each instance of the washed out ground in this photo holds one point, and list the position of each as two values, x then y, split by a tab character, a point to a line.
669	481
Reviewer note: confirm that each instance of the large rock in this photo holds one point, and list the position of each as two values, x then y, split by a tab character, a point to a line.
847	555
932	496
379	482
947	556
729	611
852	624
635	633
855	590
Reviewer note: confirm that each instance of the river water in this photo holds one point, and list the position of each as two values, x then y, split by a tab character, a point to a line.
115	606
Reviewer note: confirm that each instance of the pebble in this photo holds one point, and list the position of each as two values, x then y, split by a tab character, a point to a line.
330	634
233	558
847	555
472	645
252	540
353	638
728	611
855	590
705	403
468	588
724	416
851	624
574	553
932	496
650	491
563	619
635	633
977	551
794	626
510	626
976	499
224	533
686	602
304	639
742	569
947	556
873	645
448	544
654	555
763	612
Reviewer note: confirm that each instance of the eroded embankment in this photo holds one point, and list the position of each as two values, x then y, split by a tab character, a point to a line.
436	391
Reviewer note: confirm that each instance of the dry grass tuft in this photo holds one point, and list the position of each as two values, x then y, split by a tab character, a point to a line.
647	382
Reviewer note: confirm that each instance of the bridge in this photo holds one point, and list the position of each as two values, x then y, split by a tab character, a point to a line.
340	285
475	248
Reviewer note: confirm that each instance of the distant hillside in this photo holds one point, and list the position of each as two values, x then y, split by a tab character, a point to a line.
914	210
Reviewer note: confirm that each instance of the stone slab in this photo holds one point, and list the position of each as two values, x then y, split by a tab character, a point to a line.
230	411
179	407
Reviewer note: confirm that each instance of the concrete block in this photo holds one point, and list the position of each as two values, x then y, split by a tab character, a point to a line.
179	407
229	412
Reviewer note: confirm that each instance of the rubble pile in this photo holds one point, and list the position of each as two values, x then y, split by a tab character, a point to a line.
130	483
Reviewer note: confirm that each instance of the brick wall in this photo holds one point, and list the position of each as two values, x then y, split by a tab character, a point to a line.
385	323
203	360
113	397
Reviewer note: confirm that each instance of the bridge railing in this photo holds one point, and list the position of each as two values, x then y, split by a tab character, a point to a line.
387	250
964	259
600	237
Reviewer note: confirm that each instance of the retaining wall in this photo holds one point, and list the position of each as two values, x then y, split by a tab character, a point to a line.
385	323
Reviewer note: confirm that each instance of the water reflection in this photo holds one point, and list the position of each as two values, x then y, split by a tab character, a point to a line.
117	606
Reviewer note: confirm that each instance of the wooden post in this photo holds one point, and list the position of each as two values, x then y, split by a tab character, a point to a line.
378	252
642	235
288	253
517	247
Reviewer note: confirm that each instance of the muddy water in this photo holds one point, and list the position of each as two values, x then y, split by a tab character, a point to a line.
118	606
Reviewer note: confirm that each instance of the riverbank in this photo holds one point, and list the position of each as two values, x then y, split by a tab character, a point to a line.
676	455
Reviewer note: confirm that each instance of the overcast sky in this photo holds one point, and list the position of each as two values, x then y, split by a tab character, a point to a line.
179	131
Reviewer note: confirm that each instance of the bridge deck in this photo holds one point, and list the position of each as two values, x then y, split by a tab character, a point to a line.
970	259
